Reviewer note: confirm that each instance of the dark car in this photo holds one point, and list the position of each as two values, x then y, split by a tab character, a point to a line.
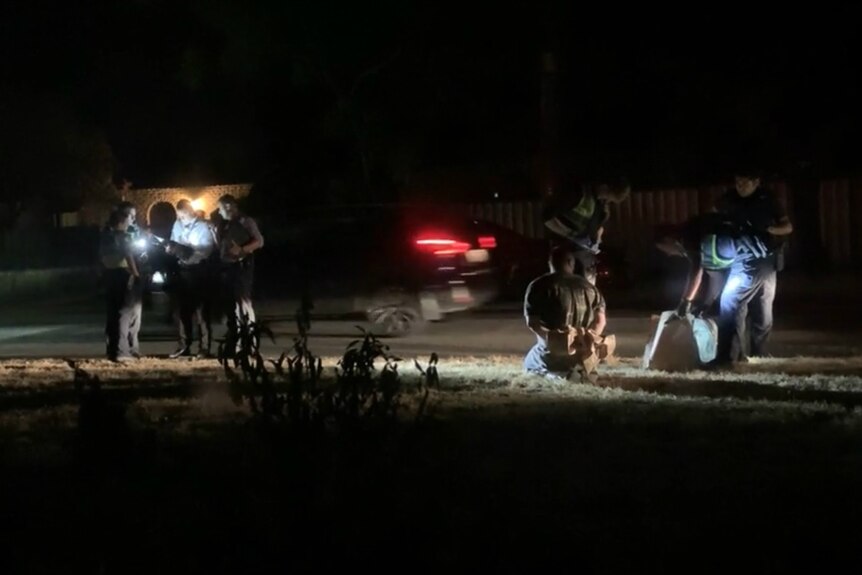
396	266
521	260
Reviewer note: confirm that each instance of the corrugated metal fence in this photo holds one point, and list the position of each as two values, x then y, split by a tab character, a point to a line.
840	207
630	227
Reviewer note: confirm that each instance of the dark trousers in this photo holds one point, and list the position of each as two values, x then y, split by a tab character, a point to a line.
237	282
192	305
123	314
715	281
749	292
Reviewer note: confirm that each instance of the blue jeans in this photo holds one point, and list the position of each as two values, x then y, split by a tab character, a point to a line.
539	361
750	289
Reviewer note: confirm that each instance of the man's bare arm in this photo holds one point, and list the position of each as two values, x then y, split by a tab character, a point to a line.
695	278
784	227
601	321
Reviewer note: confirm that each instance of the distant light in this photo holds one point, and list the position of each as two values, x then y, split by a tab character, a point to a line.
496	194
487	242
158	278
443	246
477	256
197	204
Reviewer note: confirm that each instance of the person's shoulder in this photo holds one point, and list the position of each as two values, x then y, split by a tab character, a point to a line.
574	280
765	194
725	200
583	283
728	195
541	280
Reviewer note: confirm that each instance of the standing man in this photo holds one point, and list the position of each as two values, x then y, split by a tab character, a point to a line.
238	239
122	287
752	281
580	221
192	243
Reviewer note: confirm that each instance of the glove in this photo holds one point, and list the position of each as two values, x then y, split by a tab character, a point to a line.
684	308
698	310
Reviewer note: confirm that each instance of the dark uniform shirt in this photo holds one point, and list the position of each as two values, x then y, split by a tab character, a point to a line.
238	231
757	212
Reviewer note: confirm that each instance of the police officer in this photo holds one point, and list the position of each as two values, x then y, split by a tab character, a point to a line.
238	239
750	288
708	242
122	286
579	221
192	243
555	303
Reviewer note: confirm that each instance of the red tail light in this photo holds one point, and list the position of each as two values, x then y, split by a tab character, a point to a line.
443	246
487	242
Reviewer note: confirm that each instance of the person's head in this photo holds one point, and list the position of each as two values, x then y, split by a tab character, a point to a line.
118	220
614	193
667	240
228	207
746	182
185	211
127	211
562	260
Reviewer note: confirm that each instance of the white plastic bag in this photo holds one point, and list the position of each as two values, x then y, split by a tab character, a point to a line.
681	344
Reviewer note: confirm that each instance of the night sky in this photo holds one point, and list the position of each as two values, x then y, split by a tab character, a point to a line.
190	92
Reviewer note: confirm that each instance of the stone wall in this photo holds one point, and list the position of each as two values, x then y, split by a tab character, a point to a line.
145	198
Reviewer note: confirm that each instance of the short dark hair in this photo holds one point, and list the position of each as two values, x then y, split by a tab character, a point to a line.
580	268
116	217
559	256
228	200
748	172
125	207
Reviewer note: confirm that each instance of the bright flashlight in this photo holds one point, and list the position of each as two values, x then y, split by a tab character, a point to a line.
140	243
158	278
733	282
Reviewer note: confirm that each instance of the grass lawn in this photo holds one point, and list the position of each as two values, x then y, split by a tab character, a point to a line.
753	470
